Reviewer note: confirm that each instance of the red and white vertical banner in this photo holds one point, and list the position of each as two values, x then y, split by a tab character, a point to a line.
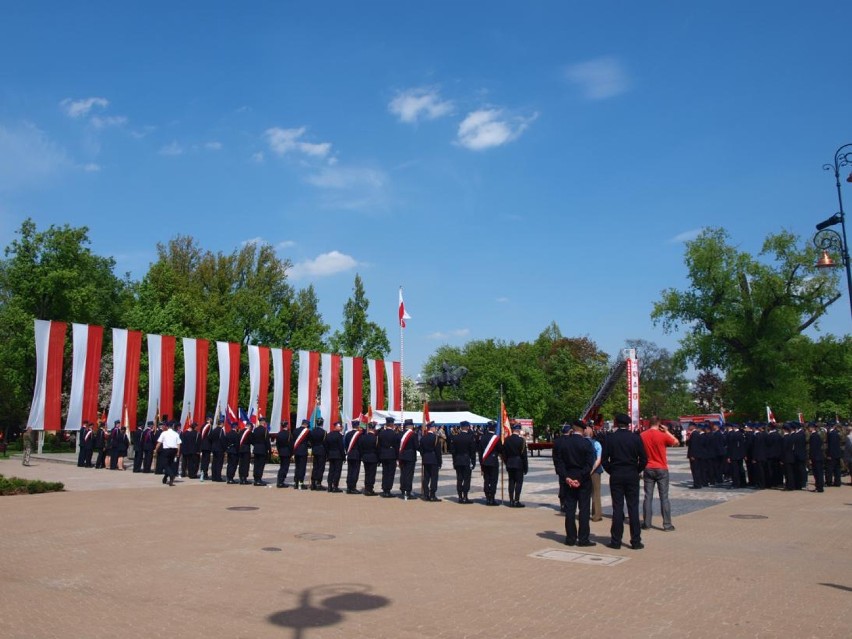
375	368
307	393
258	379
229	379
353	402
330	389
161	376
632	386
85	374
282	362
195	352
126	350
47	396
392	370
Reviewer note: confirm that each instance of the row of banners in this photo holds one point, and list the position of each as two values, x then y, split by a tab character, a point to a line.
317	371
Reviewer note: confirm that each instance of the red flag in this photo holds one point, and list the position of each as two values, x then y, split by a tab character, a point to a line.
402	314
505	424
426	417
770	416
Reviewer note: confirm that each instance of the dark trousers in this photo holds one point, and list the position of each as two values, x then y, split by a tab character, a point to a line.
832	472
776	473
818	469
624	487
170	466
318	469
189	465
388	474
370	475
353	471
218	462
516	483
490	474
233	460
113	460
335	468
205	463
790	476
99	462
283	469
81	457
801	474
301	468
578	497
737	473
245	460
697	475
259	465
87	462
406	476
137	459
761	474
158	466
463	479
430	479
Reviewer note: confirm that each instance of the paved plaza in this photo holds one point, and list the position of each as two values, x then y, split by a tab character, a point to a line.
119	554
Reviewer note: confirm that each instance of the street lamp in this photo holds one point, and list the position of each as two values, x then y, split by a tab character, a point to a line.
828	240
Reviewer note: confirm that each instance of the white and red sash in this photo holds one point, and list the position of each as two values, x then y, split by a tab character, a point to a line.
489	447
205	430
246	433
352	441
300	438
405	437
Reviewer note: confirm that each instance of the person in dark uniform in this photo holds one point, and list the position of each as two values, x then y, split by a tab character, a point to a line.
99	445
624	459
146	445
407	455
244	453
317	439
300	454
284	444
817	457
788	457
431	460
334	453
574	457
189	452
135	439
774	455
720	452
112	445
206	447
368	447
517	464
693	435
463	450
736	444
86	446
489	462
158	453
801	467
260	449
218	444
353	458
232	447
834	453
388	454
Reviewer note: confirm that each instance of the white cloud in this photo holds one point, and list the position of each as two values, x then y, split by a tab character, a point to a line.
283	141
600	78
502	300
488	128
28	156
91	167
213	146
323	265
458	332
253	240
348	177
686	236
412	105
172	149
81	108
107	121
351	188
257	157
285	244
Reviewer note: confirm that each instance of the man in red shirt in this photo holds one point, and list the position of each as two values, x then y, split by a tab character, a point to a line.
655	440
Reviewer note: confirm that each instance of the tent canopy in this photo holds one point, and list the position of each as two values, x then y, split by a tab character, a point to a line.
452	418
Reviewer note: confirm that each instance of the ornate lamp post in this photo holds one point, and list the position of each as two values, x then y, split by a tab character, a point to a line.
829	240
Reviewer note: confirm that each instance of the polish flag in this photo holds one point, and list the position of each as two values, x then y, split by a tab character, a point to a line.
126	351
377	383
258	378
426	418
770	416
195	380
282	362
85	374
47	396
307	397
330	389
403	315
161	375
229	376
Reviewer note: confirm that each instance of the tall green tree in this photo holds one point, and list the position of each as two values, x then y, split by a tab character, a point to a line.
742	314
359	337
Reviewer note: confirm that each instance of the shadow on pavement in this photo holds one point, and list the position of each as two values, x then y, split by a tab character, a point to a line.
838	586
323	606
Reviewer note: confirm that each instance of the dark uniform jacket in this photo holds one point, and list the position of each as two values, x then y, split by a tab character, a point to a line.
463	449
409	453
244	443
302	449
430	450
317	439
232	439
515	453
736	445
493	458
624	452
354	454
334	445
217	440
205	443
388	444
189	442
574	456
832	442
815	448
368	447
284	443
260	440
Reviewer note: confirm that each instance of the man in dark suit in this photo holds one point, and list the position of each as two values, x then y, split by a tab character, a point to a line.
801	456
244	453
232	447
206	447
817	457
99	446
284	444
260	449
407	459
335	454
318	453
517	464
759	457
218	444
85	442
489	462
431	461
834	453
735	443
574	457
368	447
788	457
353	458
388	453
774	455
300	454
189	452
624	459
113	444
147	442
463	450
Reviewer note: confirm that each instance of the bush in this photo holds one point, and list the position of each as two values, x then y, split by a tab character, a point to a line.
18	486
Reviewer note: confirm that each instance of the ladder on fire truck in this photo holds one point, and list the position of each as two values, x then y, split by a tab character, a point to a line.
592	410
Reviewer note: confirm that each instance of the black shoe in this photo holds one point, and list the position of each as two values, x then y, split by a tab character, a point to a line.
231	481
165	479
353	491
637	545
260	483
519	504
587	544
570	542
644	526
668	528
384	494
336	490
171	482
615	545
434	498
369	493
280	486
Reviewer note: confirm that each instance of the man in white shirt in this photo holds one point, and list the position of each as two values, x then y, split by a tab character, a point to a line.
169	441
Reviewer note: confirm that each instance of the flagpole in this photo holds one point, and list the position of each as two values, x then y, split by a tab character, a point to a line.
401	369
500	426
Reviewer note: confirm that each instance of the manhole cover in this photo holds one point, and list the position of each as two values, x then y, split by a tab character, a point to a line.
576	557
271	549
242	508
314	536
749	517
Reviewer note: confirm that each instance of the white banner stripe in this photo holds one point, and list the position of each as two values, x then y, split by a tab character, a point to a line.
254	378
371	366
80	337
119	372
275	418
325	392
302	398
190	377
347	416
155	375
224	356
42	341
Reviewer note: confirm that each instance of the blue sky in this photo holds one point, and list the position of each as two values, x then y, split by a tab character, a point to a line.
509	164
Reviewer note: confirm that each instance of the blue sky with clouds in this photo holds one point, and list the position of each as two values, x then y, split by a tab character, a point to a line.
509	164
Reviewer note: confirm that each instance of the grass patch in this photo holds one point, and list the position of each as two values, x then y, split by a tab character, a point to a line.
18	486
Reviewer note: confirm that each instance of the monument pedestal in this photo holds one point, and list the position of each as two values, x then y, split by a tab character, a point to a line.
448	406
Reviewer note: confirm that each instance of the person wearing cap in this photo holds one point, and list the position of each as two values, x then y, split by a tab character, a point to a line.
430	460
334	453
206	447
368	447
388	453
788	457
353	458
112	445
736	448
656	474
284	445
169	443
407	459
517	464
189	452
260	450
833	455
145	446
232	448
774	454
489	462
759	457
574	458
463	450
159	456
300	454
817	457
801	466
218	444
98	445
318	453
244	453
624	459
85	445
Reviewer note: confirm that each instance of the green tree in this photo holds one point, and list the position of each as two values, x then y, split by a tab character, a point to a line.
710	393
359	337
743	314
